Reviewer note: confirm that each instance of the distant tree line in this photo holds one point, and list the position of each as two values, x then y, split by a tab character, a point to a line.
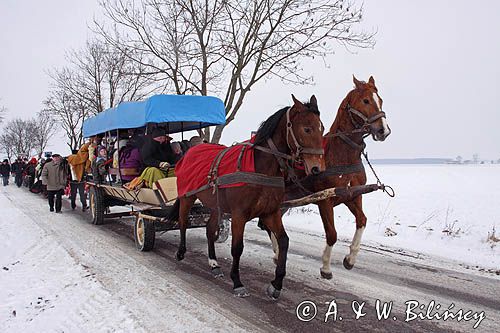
20	137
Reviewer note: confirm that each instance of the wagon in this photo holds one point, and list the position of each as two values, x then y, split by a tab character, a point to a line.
150	206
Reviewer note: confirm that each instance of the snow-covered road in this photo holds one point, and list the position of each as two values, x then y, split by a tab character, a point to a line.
60	273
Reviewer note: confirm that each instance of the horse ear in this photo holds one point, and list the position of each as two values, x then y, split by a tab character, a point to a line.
296	102
371	81
358	84
313	101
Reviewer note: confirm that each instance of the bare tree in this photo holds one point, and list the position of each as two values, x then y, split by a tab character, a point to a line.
68	111
101	77
3	111
17	134
44	128
225	47
7	146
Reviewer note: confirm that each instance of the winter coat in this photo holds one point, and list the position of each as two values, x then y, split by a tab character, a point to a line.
54	176
130	158
99	170
5	170
18	168
79	163
154	152
30	167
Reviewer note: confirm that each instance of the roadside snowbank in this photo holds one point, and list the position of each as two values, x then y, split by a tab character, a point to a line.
43	288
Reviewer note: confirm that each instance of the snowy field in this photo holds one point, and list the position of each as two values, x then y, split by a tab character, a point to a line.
441	210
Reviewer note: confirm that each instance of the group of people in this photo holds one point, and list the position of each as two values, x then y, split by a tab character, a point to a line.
22	170
140	161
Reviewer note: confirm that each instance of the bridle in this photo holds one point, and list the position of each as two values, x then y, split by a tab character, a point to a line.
297	152
286	160
363	128
366	121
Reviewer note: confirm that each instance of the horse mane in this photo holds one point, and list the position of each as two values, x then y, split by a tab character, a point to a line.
268	127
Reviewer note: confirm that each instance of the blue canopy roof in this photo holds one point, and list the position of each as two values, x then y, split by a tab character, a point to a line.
179	112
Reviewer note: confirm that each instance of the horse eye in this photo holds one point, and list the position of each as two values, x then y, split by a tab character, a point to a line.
307	130
366	101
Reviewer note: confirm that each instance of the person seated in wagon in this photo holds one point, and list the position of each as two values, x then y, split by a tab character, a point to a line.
157	156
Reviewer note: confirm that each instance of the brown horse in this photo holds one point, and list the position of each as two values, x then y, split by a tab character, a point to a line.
359	115
295	132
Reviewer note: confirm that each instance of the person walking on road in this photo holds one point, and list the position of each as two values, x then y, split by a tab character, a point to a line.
55	176
17	169
79	165
5	172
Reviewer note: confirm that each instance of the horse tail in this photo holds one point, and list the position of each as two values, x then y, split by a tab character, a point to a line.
174	213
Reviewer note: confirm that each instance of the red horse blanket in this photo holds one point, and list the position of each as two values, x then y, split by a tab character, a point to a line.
193	169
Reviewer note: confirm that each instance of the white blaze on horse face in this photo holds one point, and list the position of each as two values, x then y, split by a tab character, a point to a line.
377	101
384	121
385	126
355	246
327	254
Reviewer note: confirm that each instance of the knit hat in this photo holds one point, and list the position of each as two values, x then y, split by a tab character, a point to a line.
157	132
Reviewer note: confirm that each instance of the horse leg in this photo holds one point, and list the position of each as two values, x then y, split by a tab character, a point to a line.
212	226
272	237
275	226
274	242
356	208
237	229
326	212
184	208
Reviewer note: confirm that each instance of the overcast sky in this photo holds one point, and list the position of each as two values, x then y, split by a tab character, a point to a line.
436	64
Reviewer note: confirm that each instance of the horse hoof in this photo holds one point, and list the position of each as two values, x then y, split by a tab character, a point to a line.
326	275
179	256
217	272
240	292
347	265
272	292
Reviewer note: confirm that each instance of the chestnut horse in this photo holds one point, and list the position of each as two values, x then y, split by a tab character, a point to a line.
292	133
359	115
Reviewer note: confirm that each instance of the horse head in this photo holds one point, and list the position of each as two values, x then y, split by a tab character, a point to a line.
364	107
305	135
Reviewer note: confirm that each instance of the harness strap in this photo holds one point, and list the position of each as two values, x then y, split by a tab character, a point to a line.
337	170
240	157
242	177
350	142
251	178
281	162
214	169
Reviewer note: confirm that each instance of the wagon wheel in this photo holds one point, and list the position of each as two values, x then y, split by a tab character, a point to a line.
97	206
224	229
144	234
